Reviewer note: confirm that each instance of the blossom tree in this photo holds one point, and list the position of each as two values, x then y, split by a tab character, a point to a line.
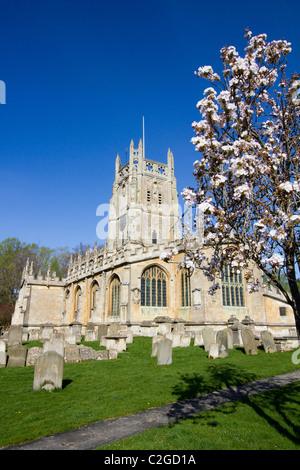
248	179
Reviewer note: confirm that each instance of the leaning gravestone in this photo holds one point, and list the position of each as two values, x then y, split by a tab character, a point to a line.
16	356
164	352
248	341
268	341
48	371
2	354
208	335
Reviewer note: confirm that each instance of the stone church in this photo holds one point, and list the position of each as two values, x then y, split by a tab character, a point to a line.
126	281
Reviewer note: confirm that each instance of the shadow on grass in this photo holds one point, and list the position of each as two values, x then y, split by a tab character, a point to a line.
279	407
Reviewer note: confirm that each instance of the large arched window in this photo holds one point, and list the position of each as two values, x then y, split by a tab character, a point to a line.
77	302
232	288
94	295
154	287
115	297
185	285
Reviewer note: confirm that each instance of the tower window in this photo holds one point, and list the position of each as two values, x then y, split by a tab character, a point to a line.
159	198
148	196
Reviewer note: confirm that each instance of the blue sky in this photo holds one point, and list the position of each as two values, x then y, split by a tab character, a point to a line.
81	74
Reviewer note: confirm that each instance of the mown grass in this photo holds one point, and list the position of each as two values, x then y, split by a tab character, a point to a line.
98	390
270	421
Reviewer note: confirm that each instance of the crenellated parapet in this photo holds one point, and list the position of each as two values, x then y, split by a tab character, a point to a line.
87	264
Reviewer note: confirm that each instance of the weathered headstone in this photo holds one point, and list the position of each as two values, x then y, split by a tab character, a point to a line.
102	331
14	335
222	340
47	331
248	341
164	352
114	328
209	337
229	338
268	341
48	371
175	338
155	340
2	354
185	341
164	328
90	333
71	353
32	355
198	339
55	343
16	356
214	350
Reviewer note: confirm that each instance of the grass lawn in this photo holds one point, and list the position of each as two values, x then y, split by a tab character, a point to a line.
270	421
97	390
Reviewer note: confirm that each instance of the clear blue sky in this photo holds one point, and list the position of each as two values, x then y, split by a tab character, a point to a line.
81	74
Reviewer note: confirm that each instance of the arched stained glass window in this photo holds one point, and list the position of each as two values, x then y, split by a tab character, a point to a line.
232	288
185	288
115	297
154	288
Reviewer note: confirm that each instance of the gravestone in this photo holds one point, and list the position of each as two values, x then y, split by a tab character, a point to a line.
185	341
198	339
75	329
214	350
71	353
248	341
14	335
164	352
268	341
48	371
32	355
129	336
164	328
229	338
114	328
47	331
2	354
222	340
175	338
55	343
34	334
155	340
16	356
90	333
102	331
209	336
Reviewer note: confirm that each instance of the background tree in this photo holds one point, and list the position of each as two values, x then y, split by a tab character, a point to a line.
248	181
13	257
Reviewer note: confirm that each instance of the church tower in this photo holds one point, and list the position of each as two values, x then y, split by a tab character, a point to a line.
144	206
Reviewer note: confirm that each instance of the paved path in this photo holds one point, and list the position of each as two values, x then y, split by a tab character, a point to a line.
97	434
